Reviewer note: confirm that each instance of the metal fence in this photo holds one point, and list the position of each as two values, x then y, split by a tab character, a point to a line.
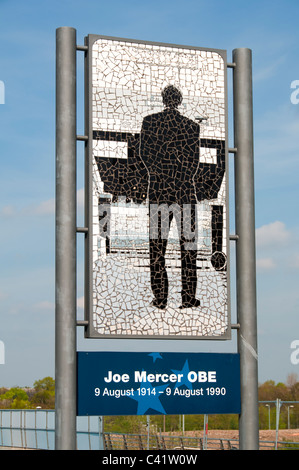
118	441
35	429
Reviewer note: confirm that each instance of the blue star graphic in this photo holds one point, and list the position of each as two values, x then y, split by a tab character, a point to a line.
184	380
155	356
151	399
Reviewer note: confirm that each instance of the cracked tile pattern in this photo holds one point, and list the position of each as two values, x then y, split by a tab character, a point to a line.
149	150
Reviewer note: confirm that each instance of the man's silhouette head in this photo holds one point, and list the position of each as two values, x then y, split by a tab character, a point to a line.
172	97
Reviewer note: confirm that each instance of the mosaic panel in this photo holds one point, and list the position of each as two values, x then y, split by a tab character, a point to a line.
159	217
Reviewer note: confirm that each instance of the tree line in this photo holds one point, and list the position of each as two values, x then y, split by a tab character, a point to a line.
42	395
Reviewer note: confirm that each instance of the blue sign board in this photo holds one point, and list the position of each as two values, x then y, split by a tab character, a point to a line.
140	383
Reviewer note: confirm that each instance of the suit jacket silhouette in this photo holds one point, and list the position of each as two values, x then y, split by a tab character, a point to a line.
169	148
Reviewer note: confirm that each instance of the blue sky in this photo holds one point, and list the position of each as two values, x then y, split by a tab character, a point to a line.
27	176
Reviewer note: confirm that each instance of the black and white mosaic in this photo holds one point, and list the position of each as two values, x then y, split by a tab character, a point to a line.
159	228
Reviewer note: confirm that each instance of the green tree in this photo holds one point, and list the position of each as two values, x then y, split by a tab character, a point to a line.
15	398
44	393
47	383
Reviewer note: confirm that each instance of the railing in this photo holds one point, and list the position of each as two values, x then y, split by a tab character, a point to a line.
119	441
35	429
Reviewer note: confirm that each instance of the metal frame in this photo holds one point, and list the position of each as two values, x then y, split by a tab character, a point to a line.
245	248
65	292
66	253
90	331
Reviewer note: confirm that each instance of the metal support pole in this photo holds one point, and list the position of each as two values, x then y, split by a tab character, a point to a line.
245	248
205	440
148	431
65	327
101	433
278	406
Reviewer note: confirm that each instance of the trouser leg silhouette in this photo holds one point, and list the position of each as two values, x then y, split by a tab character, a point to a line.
158	272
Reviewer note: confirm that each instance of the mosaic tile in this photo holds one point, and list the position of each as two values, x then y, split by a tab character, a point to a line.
159	228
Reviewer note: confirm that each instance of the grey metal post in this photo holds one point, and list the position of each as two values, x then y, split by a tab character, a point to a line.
101	433
245	249
278	406
65	327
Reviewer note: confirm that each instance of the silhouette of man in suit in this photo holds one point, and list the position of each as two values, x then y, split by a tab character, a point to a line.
169	148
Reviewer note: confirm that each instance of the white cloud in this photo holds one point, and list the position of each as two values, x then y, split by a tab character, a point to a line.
274	233
46	207
45	305
80	302
265	264
7	211
80	198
